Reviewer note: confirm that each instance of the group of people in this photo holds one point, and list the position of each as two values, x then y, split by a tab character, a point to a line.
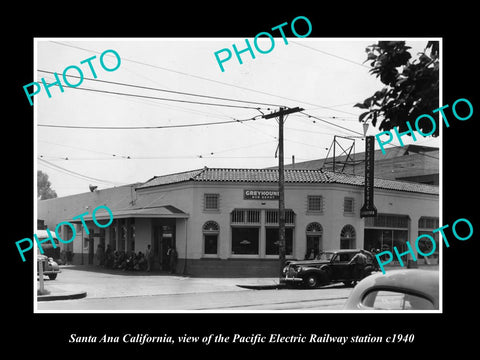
120	260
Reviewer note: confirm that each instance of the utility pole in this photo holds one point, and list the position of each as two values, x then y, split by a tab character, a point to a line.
281	183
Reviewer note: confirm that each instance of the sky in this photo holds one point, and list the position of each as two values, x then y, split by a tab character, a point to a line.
324	76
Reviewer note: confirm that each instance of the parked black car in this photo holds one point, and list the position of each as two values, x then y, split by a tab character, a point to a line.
50	256
330	267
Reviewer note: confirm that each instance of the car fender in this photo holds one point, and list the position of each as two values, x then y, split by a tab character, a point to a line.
326	269
321	273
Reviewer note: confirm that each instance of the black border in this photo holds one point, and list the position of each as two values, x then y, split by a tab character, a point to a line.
433	332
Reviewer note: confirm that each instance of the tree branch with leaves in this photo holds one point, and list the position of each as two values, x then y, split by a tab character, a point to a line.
411	86
44	191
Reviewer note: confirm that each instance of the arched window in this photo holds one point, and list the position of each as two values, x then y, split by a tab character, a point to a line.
314	228
347	237
211	226
210	237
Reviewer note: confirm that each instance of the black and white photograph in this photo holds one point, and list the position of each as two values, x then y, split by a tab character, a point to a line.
162	190
287	179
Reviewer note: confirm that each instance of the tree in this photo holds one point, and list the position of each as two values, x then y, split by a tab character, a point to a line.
44	191
412	86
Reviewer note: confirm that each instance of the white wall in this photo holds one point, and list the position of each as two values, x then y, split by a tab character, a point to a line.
332	219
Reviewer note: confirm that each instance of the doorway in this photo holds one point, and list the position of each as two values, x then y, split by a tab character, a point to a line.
314	232
163	239
313	246
91	250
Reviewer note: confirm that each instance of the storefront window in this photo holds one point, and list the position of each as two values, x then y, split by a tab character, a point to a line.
272	241
245	240
426	225
378	240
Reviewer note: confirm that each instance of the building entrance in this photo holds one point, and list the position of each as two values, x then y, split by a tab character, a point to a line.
314	233
313	246
163	239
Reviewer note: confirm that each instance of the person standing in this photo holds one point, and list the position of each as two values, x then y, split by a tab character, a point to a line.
173	257
358	261
109	257
149	256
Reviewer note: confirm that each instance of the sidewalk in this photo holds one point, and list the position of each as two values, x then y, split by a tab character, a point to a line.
96	282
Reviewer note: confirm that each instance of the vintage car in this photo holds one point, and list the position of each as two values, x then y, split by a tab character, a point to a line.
330	267
50	267
49	256
405	289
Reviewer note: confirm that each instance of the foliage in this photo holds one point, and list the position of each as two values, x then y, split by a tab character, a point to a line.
44	191
412	86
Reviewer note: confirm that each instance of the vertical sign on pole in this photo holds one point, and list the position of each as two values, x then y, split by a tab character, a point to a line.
368	209
281	198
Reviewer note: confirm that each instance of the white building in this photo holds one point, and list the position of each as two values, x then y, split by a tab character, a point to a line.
225	221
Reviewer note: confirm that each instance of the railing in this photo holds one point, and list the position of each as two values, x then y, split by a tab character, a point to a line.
252	217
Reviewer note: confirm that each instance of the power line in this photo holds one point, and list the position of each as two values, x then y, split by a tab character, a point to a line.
163	99
330	54
75	174
84	149
147	127
330	123
209	155
166	90
158	158
211	80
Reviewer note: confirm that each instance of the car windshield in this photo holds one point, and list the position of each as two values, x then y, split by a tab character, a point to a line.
325	256
396	300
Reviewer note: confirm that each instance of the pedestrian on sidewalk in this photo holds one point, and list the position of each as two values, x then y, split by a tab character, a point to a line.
149	256
172	257
359	261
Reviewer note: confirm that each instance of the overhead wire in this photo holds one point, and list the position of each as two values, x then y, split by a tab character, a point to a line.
152	102
163	98
330	54
148	127
210	80
211	154
330	123
201	95
84	149
75	174
167	90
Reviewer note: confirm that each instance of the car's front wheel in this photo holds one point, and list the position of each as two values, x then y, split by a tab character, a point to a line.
311	281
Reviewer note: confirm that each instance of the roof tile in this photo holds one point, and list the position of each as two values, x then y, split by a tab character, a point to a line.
291	176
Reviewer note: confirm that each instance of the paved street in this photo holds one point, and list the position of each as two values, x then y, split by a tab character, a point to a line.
131	291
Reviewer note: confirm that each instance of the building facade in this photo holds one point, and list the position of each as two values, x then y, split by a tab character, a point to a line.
225	221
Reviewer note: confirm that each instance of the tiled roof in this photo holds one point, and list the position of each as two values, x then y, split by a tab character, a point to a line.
291	177
171	178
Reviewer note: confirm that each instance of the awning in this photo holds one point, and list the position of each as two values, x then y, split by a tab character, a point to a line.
166	212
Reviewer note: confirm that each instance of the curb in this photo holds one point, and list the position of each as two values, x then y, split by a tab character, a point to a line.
263	287
70	296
